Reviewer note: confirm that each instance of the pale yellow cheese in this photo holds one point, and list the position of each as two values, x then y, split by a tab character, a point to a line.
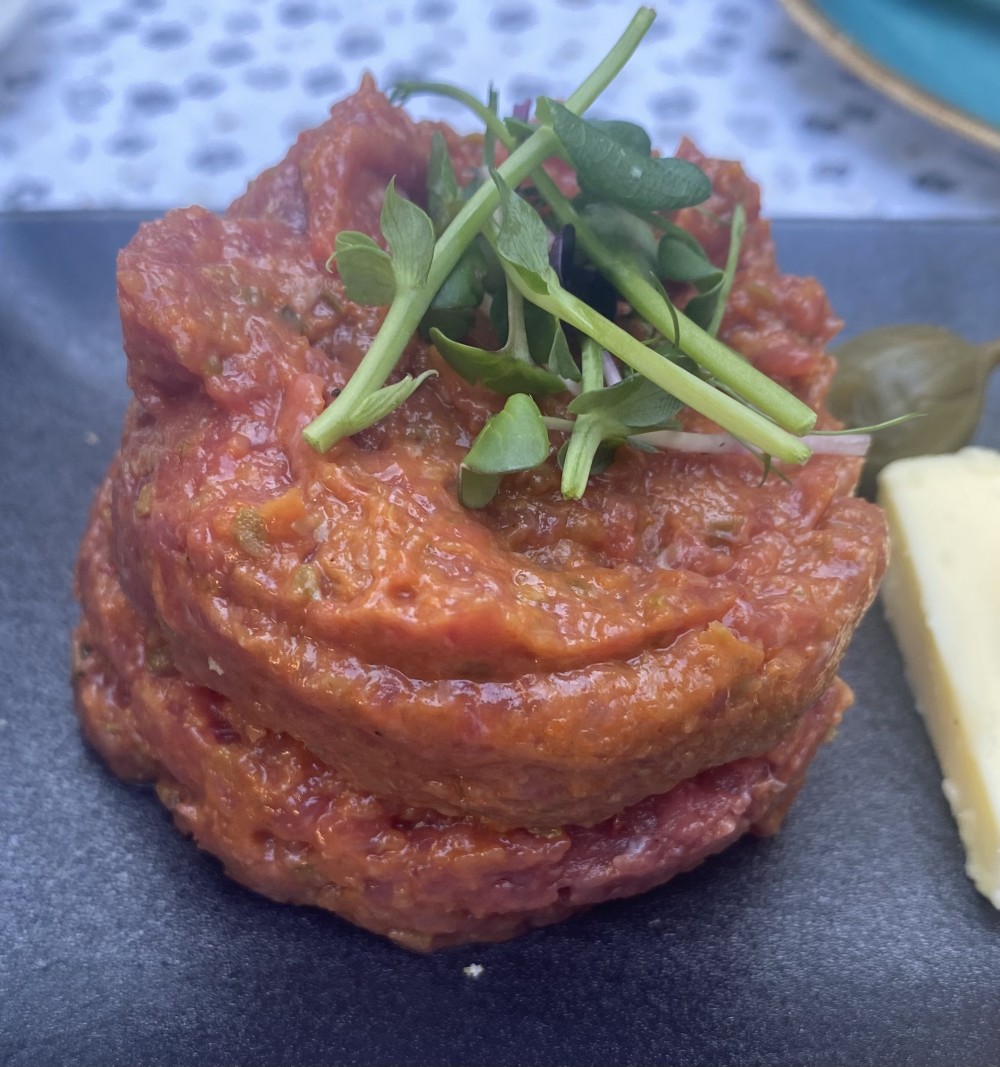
942	597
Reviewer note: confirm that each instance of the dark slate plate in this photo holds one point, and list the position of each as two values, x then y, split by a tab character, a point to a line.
852	938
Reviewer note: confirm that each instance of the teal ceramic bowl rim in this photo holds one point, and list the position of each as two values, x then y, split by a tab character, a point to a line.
822	29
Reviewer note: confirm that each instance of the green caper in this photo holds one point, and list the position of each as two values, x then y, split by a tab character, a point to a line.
917	370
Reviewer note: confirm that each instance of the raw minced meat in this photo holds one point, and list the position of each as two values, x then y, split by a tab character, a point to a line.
509	713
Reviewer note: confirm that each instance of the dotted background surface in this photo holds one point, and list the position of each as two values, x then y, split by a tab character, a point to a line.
156	103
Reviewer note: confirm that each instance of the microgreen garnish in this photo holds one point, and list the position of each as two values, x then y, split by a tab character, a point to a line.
521	244
453	308
606	417
365	268
373	276
410	234
444	197
510	370
441	265
340	420
681	259
499	371
613	164
514	439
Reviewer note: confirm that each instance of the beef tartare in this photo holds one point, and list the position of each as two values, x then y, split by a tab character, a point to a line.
445	724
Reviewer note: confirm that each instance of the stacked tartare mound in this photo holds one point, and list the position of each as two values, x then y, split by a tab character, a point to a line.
444	725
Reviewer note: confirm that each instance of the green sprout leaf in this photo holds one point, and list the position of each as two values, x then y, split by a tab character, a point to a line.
530	359
519	129
514	439
452	310
365	269
380	403
547	343
410	234
499	371
679	262
620	174
545	338
450	321
678	233
634	405
623	234
606	418
523	241
628	134
444	198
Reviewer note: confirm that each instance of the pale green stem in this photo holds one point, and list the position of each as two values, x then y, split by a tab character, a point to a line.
402	91
587	433
739	420
738	226
579	459
592	365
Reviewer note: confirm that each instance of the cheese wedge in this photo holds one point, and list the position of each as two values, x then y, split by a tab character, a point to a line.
942	597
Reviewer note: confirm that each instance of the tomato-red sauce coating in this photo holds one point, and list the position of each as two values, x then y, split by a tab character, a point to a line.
536	665
288	825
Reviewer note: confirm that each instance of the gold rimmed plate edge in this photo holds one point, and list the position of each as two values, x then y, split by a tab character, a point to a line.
897	87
